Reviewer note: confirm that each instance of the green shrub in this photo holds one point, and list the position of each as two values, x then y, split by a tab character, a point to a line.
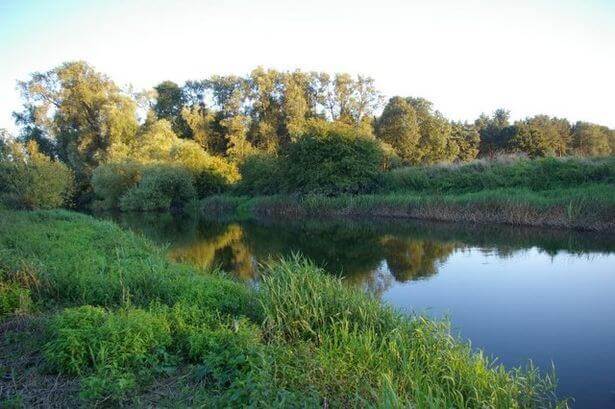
225	352
14	298
31	180
112	349
332	158
211	174
299	305
160	188
261	174
111	181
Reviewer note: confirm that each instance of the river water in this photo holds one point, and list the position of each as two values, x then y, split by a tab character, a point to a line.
517	293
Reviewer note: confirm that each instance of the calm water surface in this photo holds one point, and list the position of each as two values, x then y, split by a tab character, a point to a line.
517	293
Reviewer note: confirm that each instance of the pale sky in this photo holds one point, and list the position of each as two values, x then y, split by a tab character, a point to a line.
555	57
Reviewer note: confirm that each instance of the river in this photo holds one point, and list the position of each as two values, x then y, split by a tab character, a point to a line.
519	294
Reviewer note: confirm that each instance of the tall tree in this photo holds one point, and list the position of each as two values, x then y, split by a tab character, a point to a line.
265	93
495	132
435	143
398	126
541	136
467	139
170	102
83	111
296	107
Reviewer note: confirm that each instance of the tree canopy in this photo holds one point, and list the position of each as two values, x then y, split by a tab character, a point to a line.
216	125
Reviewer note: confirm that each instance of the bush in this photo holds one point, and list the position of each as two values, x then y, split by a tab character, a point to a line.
211	174
111	181
160	188
332	158
31	180
112	349
225	352
114	183
261	174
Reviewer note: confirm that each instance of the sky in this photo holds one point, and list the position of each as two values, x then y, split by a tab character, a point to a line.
555	57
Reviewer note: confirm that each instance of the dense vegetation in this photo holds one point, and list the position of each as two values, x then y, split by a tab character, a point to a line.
571	193
96	314
31	180
264	133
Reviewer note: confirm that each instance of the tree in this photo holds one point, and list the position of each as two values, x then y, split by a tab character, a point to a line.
398	127
295	104
332	158
467	139
541	136
591	140
170	103
236	130
495	132
434	144
206	128
265	93
83	112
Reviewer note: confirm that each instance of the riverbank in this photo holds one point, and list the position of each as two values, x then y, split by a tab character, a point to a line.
95	315
589	207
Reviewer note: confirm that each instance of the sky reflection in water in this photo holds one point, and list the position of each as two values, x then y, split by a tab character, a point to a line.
519	293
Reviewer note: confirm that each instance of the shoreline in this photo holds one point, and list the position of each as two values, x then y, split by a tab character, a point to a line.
102	289
561	210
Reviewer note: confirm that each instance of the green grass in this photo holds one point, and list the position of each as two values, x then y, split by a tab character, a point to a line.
576	193
588	207
501	173
110	313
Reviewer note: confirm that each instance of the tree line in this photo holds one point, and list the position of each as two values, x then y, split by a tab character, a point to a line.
214	126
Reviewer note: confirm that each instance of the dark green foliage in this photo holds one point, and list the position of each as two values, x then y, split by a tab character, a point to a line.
224	352
467	140
592	140
541	136
495	132
332	159
261	174
160	188
170	101
111	181
398	126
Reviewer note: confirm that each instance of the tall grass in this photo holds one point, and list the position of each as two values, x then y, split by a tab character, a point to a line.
367	352
589	207
531	174
122	320
569	192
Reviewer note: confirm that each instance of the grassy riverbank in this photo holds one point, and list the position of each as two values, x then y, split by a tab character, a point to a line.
567	193
590	207
92	314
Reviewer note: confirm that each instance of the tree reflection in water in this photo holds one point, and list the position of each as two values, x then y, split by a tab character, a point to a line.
370	254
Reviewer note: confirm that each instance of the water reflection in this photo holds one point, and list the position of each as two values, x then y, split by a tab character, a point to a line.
372	254
519	293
